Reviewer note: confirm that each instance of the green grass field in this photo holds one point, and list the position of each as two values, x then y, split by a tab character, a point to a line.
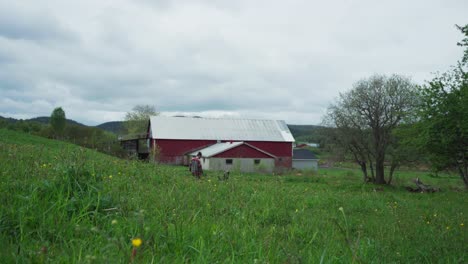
62	203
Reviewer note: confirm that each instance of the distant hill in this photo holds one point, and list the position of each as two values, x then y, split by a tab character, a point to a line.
115	127
8	119
46	120
40	119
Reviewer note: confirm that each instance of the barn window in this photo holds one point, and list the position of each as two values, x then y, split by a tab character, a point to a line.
229	161
257	161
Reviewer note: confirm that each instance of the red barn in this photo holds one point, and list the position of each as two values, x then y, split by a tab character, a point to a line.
174	138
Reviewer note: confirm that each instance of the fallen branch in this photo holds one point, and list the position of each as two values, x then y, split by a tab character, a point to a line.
422	188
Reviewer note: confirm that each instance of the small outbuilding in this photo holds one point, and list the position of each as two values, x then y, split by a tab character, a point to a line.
304	159
135	145
236	156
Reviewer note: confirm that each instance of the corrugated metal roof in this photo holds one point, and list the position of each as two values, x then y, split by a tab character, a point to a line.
219	129
303	154
216	149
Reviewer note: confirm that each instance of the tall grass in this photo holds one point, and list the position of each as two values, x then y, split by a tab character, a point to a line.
62	203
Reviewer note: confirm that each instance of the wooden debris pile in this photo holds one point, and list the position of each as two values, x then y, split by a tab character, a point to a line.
422	188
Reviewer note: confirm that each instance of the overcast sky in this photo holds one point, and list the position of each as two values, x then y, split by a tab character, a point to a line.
267	59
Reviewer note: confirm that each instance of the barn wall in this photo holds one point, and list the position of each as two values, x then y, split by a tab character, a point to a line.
241	164
131	146
282	150
284	162
172	151
243	151
205	163
279	149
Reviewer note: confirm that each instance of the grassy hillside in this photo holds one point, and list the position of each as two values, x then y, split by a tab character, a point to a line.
66	204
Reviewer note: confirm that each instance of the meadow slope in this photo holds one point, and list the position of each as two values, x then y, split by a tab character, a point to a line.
62	203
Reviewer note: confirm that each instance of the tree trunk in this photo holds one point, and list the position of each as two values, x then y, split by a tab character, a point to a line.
392	170
379	169
364	170
371	165
463	175
379	148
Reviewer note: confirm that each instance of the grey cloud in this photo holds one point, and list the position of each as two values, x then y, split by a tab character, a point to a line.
265	59
20	24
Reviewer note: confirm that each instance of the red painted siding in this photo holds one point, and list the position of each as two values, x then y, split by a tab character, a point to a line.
279	149
282	150
243	151
173	151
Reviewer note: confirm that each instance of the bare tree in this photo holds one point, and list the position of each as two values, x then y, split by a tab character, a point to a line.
368	113
349	137
136	121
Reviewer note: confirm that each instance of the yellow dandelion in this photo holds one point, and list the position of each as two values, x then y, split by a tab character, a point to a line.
136	242
110	176
462	224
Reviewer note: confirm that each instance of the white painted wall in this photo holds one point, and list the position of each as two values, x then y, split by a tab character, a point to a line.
205	162
305	164
238	164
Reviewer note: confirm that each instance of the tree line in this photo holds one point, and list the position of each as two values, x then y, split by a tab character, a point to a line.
59	129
